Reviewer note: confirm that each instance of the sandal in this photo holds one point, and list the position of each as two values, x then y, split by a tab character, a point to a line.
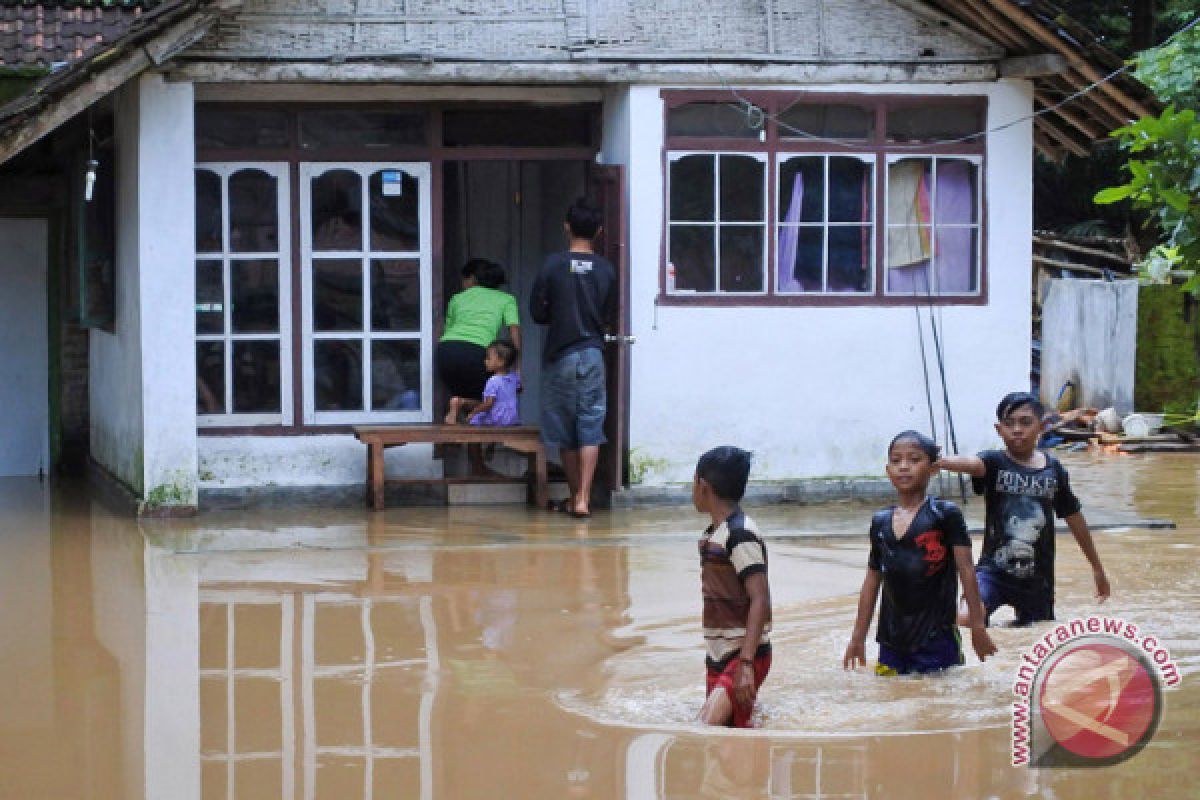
559	506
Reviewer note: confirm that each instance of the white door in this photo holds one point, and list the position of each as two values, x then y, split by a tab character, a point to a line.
24	360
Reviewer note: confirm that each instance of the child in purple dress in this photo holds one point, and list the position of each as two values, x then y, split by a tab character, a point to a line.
498	407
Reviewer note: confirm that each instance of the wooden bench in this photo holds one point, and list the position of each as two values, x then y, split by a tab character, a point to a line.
523	439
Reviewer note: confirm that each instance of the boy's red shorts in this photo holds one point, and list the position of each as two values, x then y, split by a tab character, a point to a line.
725	679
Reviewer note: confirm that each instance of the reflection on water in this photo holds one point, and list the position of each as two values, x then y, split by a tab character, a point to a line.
497	653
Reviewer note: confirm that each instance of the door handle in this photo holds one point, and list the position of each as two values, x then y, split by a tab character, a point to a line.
611	339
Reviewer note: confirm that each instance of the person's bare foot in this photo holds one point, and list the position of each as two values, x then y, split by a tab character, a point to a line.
451	418
580	510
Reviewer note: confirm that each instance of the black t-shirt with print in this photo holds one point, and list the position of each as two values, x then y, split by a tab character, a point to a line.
920	582
1018	541
575	295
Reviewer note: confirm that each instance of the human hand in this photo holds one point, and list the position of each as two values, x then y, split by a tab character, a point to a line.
1103	590
982	643
856	655
743	684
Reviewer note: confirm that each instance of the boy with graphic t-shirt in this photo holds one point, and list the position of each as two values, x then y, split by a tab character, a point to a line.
919	549
733	582
1023	488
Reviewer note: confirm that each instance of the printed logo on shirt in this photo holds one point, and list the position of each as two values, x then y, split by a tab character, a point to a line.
1010	482
580	266
933	552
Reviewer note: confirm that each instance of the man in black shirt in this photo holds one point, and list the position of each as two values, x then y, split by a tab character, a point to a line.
573	295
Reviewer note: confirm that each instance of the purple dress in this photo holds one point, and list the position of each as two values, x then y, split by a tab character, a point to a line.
503	390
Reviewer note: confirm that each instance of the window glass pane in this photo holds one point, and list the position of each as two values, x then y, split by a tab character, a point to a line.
934	122
531	126
957	192
849	258
256	377
851	190
956	260
337	289
911	279
692	189
742	258
210	377
394	223
337	211
337	368
909	211
350	128
254	295
241	128
253	212
710	119
396	375
208	211
742	194
210	298
826	120
802	189
692	258
396	295
801	254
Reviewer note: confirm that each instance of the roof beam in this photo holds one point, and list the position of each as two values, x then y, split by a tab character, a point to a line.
1033	66
105	80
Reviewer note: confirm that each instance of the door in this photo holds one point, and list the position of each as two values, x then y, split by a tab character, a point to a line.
608	187
24	348
366	271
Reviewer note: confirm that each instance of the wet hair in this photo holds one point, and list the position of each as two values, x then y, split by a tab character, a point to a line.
725	469
491	275
584	218
926	445
507	353
1014	400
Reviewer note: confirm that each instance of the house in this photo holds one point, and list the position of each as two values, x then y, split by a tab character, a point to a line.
820	211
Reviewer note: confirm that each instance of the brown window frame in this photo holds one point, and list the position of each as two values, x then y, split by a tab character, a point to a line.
772	145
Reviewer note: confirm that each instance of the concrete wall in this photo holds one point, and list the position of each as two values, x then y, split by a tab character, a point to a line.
820	391
143	384
1089	337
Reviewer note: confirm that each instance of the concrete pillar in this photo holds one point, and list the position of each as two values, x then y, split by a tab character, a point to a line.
143	394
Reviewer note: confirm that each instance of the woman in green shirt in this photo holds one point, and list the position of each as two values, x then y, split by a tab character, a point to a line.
474	319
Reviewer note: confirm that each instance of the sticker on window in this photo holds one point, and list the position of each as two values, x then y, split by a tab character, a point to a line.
393	183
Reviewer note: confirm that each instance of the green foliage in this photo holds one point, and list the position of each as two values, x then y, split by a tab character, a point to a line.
1164	159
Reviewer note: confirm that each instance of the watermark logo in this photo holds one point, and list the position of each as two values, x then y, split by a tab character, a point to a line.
1089	693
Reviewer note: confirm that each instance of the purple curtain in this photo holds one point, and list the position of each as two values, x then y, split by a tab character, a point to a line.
954	251
789	237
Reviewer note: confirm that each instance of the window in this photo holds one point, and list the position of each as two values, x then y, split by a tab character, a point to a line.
869	199
243	361
718	225
366	295
933	236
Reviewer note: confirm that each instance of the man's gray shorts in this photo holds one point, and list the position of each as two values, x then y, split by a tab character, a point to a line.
574	403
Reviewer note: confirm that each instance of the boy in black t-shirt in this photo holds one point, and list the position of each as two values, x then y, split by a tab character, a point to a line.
919	550
1024	488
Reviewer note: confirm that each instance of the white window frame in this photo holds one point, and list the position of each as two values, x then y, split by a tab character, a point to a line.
279	171
977	226
422	172
825	225
716	224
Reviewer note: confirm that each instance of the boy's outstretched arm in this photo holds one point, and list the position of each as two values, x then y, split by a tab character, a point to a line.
756	619
969	465
856	650
1083	537
981	642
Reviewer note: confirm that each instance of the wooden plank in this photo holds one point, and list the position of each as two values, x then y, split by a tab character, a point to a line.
1076	248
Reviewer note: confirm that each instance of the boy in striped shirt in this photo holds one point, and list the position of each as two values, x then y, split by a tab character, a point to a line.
733	582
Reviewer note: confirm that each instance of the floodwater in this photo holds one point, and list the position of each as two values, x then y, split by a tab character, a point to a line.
501	653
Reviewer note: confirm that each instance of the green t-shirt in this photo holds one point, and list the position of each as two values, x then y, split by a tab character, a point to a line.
476	314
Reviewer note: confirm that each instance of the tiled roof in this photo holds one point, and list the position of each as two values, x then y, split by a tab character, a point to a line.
44	34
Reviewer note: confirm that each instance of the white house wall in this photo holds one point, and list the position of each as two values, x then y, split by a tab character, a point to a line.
819	391
143	382
234	462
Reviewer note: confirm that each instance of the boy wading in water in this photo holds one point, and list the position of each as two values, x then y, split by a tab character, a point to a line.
919	551
733	582
1023	488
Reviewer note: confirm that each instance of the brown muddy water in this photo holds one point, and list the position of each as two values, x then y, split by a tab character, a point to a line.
500	653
